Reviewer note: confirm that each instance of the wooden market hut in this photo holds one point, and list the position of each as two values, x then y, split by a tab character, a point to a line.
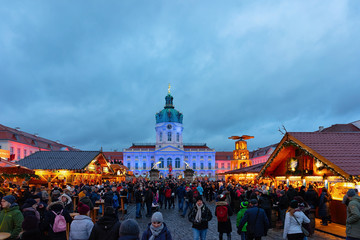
324	159
16	174
69	167
246	175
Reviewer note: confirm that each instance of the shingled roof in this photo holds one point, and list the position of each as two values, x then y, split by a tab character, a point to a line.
49	160
340	148
251	169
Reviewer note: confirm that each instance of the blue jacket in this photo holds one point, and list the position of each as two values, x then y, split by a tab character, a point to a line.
257	225
80	228
164	235
180	192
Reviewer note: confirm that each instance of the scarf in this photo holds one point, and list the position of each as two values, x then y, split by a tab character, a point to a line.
198	213
155	231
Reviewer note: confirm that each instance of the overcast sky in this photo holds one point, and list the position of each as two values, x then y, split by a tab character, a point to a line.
93	74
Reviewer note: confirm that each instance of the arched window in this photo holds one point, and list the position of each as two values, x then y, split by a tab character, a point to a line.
169	162
177	163
177	137
160	137
161	165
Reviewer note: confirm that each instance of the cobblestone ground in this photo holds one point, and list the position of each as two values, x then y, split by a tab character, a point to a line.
180	228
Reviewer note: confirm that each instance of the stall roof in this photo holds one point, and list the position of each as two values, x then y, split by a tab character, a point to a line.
251	169
49	160
341	150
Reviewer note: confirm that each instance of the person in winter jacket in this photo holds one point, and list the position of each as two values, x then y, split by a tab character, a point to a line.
157	229
283	205
53	209
239	216
324	206
10	217
82	224
353	216
180	192
30	228
87	201
30	208
149	197
188	201
293	222
68	204
168	193
129	230
107	227
257	221
224	225
200	215
266	204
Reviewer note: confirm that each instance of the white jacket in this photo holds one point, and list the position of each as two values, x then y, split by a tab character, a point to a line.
291	226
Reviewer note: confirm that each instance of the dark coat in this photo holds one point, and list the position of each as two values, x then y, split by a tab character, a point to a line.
106	228
312	198
86	200
224	227
180	191
206	216
324	205
164	234
49	218
257	225
283	202
265	201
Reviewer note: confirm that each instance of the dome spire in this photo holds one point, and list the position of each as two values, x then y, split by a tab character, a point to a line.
169	88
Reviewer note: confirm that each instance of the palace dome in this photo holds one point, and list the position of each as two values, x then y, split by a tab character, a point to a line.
169	113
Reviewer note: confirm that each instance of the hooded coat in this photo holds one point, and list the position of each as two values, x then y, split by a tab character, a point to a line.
11	220
106	228
206	216
80	228
353	218
68	205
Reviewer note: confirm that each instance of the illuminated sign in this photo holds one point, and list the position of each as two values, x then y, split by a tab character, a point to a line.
4	153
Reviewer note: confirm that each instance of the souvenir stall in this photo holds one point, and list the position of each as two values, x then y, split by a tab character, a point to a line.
246	175
325	160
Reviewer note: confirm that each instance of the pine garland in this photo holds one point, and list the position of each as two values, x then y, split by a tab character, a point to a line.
25	176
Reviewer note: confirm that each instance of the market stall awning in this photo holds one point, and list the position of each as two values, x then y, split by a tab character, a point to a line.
16	170
251	169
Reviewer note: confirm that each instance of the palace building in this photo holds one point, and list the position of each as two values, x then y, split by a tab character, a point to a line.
169	154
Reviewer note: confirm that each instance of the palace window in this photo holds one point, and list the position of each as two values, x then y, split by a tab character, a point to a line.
128	165
11	150
177	163
222	165
177	137
161	165
169	162
228	165
209	165
152	165
128	157
25	152
169	136
144	165
136	165
202	165
194	165
216	165
18	152
160	137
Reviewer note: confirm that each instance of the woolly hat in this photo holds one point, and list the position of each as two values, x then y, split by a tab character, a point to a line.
244	204
29	203
351	193
294	204
9	198
129	227
109	211
83	209
253	201
30	223
157	217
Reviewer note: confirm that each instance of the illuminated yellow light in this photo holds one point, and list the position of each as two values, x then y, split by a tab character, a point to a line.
295	178
280	178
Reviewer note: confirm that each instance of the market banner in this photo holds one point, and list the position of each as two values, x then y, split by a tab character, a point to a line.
4	153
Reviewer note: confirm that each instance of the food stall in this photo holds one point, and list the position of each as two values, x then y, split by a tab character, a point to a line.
303	158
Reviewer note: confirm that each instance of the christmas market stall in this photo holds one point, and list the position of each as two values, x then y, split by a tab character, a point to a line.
69	167
246	175
16	174
324	159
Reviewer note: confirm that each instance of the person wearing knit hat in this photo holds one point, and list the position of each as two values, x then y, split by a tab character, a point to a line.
157	229
30	209
239	216
14	218
200	215
82	225
353	215
129	230
294	219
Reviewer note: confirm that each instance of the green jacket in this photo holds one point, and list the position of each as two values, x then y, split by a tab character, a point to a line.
239	216
353	218
11	220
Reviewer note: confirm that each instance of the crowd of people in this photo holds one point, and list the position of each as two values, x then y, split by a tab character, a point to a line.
41	213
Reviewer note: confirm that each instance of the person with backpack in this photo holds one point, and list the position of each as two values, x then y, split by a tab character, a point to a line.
107	227
223	212
115	199
55	220
157	229
200	216
257	221
168	196
81	226
239	216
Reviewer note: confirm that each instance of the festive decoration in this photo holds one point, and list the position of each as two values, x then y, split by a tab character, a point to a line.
25	176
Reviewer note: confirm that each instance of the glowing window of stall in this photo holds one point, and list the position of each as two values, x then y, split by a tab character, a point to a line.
280	178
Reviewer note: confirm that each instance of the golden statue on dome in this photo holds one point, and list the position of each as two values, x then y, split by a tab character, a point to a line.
169	88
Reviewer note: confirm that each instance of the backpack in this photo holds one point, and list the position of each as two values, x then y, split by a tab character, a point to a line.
59	223
168	193
222	213
115	201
